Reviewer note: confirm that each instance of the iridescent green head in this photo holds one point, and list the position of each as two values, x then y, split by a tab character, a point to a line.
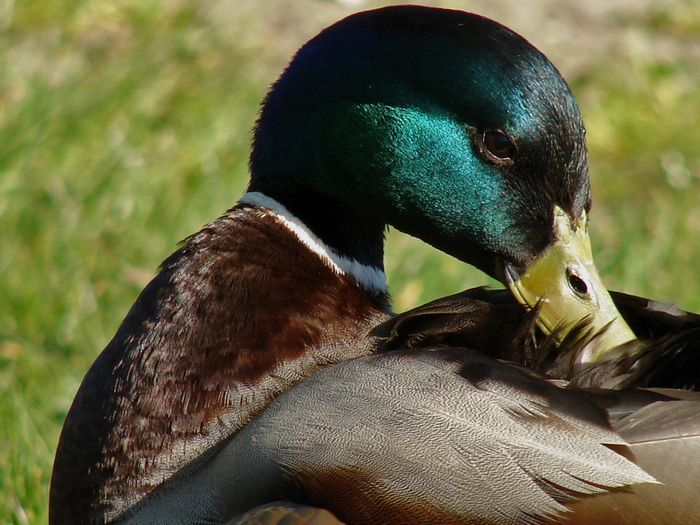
444	124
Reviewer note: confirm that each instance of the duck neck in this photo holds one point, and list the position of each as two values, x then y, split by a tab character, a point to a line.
351	242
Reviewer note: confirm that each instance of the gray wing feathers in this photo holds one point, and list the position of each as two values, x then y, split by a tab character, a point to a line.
490	450
442	436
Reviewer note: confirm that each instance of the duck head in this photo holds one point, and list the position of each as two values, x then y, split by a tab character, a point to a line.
453	129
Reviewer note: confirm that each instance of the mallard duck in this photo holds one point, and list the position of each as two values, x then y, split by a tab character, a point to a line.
444	124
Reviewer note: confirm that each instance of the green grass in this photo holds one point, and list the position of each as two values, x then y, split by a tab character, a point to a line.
124	126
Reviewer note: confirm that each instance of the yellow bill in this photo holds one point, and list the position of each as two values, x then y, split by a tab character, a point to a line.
564	283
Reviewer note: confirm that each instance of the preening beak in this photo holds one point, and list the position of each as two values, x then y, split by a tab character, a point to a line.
564	284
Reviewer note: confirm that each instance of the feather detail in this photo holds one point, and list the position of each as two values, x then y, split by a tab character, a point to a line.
506	448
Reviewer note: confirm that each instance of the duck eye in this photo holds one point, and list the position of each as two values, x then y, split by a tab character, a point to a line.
499	145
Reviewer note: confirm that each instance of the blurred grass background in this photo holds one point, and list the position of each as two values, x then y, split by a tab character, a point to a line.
124	126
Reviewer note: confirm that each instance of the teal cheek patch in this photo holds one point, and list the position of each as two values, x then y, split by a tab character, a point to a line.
417	170
432	173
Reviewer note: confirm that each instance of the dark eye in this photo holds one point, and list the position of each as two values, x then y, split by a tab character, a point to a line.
499	145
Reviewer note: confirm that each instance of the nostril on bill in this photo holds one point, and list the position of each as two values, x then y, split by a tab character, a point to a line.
577	284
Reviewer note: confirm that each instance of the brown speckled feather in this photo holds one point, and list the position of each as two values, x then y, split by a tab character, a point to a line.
239	313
